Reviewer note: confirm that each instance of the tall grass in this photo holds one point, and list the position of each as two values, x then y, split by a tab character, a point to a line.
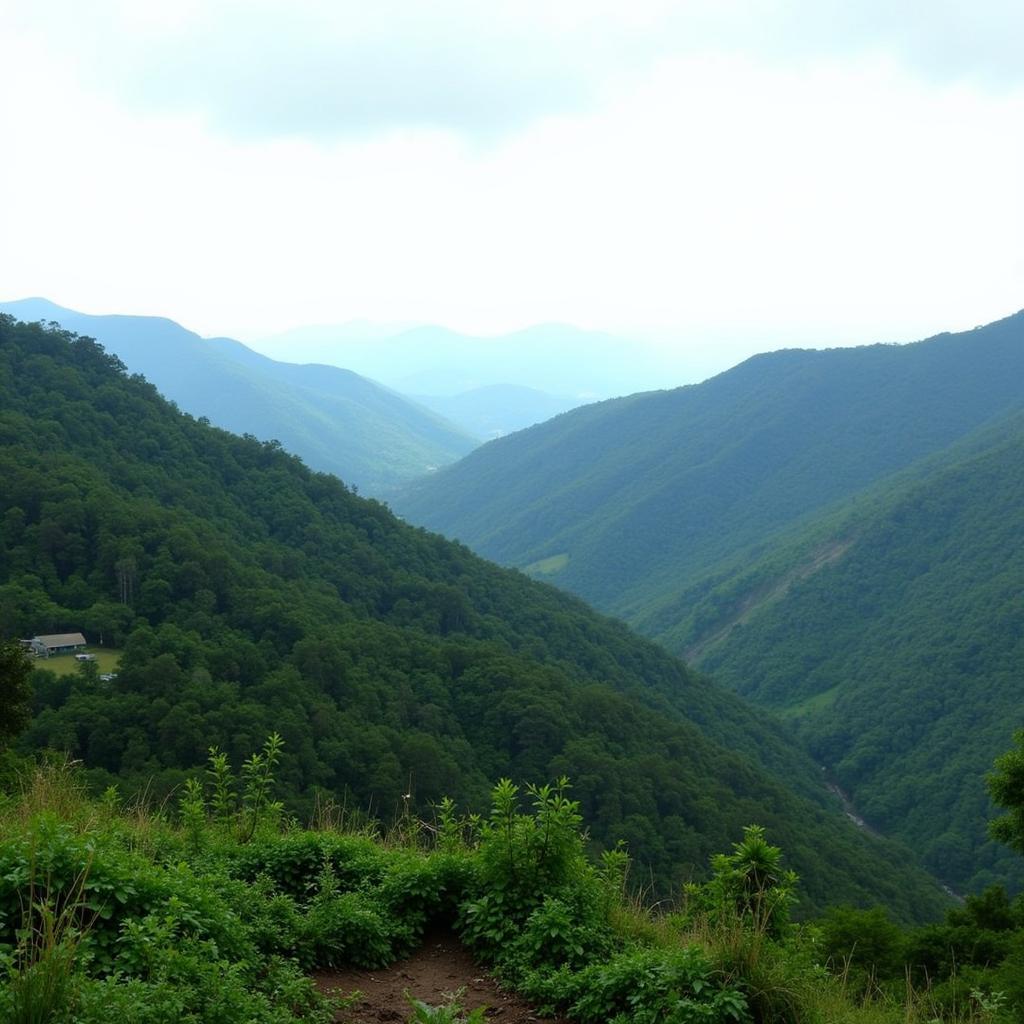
43	984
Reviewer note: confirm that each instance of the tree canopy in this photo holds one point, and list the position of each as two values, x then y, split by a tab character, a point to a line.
15	691
1006	784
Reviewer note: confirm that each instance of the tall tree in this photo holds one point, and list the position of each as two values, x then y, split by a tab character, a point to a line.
1006	786
15	692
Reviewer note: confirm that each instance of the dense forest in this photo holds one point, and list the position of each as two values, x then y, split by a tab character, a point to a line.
336	420
891	635
250	594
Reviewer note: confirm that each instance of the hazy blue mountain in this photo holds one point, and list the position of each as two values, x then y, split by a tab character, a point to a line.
554	358
498	409
336	420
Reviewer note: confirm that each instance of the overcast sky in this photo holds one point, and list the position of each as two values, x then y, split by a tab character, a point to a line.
731	175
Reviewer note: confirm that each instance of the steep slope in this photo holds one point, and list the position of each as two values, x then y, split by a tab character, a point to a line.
629	501
333	419
891	634
251	594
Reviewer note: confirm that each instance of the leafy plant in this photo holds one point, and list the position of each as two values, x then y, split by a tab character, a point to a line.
654	986
523	858
749	884
257	779
346	927
449	1012
222	783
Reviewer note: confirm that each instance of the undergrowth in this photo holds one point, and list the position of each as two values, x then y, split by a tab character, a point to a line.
218	909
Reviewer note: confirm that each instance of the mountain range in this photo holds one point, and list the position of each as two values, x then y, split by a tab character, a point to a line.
249	594
555	359
498	409
831	532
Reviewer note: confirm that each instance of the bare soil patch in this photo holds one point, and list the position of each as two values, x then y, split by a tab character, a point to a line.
441	966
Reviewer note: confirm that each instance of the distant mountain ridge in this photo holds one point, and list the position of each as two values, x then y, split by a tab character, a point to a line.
557	359
498	409
634	498
336	420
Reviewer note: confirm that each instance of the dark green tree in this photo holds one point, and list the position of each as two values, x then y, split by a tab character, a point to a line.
15	692
1006	787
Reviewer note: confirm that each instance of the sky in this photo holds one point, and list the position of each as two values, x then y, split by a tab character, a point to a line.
722	177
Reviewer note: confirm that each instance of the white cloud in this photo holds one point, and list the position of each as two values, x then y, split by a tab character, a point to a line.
740	195
333	68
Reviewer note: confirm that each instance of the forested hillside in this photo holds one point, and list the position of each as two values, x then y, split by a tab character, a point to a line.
891	634
251	594
335	420
628	502
832	534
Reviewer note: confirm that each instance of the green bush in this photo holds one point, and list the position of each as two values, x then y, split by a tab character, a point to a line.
648	986
749	885
107	914
294	860
191	984
93	928
521	860
416	890
347	927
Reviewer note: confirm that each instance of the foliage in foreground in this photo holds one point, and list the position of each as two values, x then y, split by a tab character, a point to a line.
218	912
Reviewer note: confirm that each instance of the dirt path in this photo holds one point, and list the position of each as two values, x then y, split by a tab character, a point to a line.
439	967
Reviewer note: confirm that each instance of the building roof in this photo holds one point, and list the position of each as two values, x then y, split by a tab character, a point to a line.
62	640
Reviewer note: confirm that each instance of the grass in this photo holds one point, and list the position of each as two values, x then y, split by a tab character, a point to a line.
817	702
548	566
107	660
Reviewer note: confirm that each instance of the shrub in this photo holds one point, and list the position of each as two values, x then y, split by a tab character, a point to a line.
749	884
345	927
521	860
650	986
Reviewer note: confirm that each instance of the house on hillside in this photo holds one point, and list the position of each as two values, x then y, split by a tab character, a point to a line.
57	643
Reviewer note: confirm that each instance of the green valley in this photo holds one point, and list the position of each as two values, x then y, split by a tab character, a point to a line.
267	597
832	534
